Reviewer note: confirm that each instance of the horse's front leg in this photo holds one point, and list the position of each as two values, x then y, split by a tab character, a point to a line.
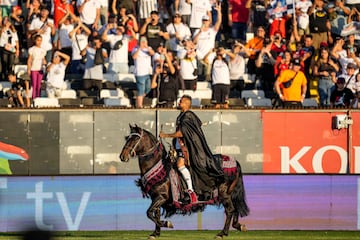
237	225
153	213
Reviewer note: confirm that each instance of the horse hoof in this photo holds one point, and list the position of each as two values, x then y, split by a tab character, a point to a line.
169	224
151	237
217	237
243	228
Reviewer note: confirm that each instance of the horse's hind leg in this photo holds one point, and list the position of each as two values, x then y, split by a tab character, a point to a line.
229	211
237	225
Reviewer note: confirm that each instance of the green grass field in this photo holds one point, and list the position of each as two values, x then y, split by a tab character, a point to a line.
199	235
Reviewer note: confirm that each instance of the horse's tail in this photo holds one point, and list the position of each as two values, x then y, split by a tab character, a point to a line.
238	194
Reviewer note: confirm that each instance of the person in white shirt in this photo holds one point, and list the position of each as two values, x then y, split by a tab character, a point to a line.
79	40
89	11
199	8
183	7
142	59
44	26
188	64
177	32
35	63
204	38
237	65
56	74
118	60
220	75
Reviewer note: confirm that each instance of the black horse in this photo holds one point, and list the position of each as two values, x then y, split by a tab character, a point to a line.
156	182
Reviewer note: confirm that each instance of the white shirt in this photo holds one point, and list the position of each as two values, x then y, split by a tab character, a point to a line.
56	75
46	36
38	55
120	55
5	35
88	14
184	7
64	38
237	67
83	42
183	31
199	9
350	81
220	73
206	42
187	65
142	63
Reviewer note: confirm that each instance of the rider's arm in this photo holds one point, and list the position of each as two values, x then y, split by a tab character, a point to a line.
171	135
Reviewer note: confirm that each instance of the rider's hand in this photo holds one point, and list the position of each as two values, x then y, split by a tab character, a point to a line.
161	134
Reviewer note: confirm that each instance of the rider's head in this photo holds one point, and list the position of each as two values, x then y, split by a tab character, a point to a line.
185	102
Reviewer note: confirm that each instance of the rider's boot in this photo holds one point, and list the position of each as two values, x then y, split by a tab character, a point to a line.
193	196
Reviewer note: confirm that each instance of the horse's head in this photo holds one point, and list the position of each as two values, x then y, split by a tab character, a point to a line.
132	143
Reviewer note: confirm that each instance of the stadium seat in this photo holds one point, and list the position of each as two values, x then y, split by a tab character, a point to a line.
125	77
203	93
236	102
259	102
310	102
117	102
68	93
252	94
107	93
201	85
44	102
69	102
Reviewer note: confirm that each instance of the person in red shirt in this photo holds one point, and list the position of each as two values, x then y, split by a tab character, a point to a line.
61	7
238	18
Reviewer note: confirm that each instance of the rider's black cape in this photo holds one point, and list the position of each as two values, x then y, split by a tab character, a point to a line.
206	172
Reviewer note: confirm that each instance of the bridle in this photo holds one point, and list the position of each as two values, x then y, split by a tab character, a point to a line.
133	151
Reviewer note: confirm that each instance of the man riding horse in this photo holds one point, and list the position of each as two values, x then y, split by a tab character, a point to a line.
194	152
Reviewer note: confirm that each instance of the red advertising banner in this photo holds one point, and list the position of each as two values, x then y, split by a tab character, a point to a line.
307	142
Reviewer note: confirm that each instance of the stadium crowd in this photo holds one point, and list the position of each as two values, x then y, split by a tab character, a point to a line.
290	51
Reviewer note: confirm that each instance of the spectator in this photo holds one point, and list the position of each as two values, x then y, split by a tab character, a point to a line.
56	74
154	31
104	11
252	49
283	62
301	11
61	8
307	53
337	16
146	7
220	75
89	11
188	64
165	81
265	63
128	20
325	69
95	59
183	7
9	45
237	68
238	19
345	56
44	26
177	32
128	5
277	14
19	88
118	60
319	23
79	41
259	13
341	96
278	45
66	27
18	20
204	38
291	85
350	77
35	63
199	9
142	58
